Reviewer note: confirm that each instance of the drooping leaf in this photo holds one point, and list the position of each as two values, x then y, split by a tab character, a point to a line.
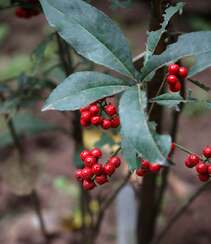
154	36
25	124
91	33
187	45
83	88
137	131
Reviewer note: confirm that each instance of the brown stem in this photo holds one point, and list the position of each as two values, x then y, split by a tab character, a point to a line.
37	208
180	212
34	196
105	206
146	222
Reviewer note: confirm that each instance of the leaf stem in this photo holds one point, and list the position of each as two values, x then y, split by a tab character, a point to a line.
184	149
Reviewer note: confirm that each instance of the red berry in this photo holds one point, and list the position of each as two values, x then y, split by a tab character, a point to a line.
89	161
116	161
97	169
96	120
101	179
145	164
86	173
88	185
94	109
84	109
109	169
188	164
84	123
86	115
207	152
115	122
106	124
154	168
176	87
96	152
183	72
194	159
78	175
209	169
141	172
202	168
172	80
22	13
84	154
173	146
110	109
173	69
203	177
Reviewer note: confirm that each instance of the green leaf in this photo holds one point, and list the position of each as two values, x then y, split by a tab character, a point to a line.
83	88
138	132
203	62
168	99
25	124
4	3
121	3
154	36
191	44
129	153
173	99
91	33
39	52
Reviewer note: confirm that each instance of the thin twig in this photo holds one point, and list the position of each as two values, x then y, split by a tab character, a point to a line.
106	205
115	193
33	195
158	92
37	208
184	149
180	212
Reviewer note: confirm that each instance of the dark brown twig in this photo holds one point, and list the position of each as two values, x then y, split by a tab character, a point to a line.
180	212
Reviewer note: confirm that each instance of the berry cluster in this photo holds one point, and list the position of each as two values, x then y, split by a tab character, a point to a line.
26	12
95	173
174	73
147	167
201	164
100	114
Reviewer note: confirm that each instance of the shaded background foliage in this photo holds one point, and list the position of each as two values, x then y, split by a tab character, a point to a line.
24	81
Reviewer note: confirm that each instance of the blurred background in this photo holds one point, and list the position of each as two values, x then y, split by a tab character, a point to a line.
27	66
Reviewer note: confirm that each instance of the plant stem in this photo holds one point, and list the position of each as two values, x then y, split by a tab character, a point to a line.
37	208
184	149
180	212
106	205
34	196
157	94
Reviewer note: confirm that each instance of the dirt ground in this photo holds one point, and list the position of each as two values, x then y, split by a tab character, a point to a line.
18	225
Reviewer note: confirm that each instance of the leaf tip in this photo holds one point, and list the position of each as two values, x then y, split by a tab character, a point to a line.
47	107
